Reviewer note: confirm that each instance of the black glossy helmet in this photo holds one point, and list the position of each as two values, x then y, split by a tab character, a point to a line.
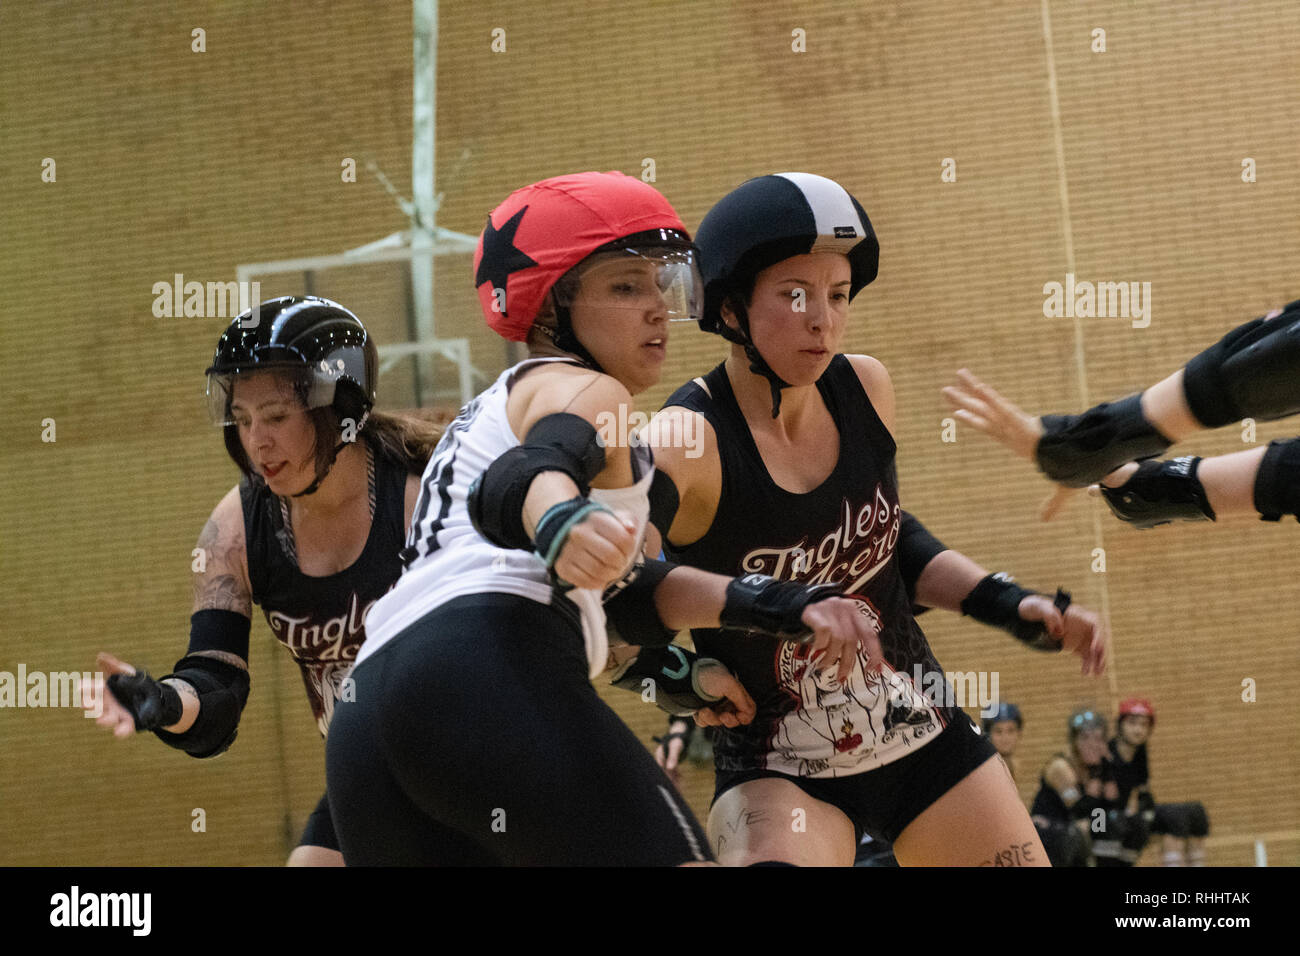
329	356
314	336
765	221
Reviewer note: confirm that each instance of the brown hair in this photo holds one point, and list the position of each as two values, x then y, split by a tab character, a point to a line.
406	438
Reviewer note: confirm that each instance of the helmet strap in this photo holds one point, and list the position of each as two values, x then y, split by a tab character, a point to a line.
334	456
320	475
565	339
757	364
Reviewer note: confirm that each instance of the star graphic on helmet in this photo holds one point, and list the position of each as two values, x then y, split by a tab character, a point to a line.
500	255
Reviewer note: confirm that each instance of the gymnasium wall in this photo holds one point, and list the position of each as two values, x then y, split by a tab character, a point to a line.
168	161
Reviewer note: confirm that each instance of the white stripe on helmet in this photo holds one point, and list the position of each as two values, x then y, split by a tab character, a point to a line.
833	212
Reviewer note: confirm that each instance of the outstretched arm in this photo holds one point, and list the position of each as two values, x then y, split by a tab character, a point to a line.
197	708
1263	481
954	582
1251	371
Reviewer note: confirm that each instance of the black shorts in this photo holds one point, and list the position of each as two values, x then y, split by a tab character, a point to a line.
319	830
475	738
882	802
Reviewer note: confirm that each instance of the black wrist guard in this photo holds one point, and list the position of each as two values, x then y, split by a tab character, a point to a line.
1080	450
631	612
996	601
670	676
152	703
757	602
1160	492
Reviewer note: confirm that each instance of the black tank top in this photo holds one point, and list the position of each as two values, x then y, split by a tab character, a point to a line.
1048	803
845	531
1129	773
321	620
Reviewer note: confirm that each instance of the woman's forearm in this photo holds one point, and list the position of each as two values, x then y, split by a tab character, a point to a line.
947	580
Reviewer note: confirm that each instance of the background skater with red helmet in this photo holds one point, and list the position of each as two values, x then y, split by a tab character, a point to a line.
793	475
475	736
1183	826
311	534
1080	788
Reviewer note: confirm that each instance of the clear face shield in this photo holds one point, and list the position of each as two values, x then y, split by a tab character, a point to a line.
641	278
291	384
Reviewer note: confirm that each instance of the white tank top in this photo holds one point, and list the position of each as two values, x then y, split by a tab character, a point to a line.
445	558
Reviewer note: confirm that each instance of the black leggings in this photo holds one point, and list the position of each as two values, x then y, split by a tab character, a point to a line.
319	830
475	738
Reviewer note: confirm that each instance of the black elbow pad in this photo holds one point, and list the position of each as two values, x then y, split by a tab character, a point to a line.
1277	483
917	547
664	502
561	442
223	691
1251	371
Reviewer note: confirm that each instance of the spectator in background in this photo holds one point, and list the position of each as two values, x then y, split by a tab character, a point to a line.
1183	826
1003	731
1078	794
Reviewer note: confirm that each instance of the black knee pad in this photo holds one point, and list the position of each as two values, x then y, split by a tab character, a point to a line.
1136	833
1181	819
1066	845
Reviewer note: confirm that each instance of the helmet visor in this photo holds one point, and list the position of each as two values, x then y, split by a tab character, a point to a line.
645	279
313	385
223	390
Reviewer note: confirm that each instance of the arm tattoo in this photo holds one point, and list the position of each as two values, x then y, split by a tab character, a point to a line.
182	687
222	592
234	660
209	536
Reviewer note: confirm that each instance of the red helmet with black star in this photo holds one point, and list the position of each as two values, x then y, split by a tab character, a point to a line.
1137	707
543	230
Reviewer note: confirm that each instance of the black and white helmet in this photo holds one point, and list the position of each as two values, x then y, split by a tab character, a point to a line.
765	221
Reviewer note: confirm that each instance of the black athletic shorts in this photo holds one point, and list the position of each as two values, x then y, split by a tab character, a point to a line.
319	830
882	802
475	738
